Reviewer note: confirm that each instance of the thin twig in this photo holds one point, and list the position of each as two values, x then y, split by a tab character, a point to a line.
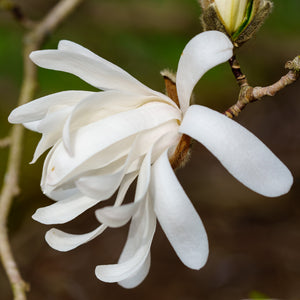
237	72
249	94
32	41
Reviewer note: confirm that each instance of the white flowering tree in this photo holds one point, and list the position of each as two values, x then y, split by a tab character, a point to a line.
102	142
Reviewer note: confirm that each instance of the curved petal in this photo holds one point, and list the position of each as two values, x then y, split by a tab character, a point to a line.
177	216
62	241
63	192
116	216
37	109
75	48
98	73
205	51
137	247
64	210
70	46
239	151
139	276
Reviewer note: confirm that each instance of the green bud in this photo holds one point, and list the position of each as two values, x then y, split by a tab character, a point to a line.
239	19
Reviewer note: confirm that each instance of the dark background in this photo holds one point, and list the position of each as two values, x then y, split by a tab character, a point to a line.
254	241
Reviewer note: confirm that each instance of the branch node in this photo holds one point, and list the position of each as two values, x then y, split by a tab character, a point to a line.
293	65
249	94
5	142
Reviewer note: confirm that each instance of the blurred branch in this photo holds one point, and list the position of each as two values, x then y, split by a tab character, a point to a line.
5	142
33	40
17	13
249	94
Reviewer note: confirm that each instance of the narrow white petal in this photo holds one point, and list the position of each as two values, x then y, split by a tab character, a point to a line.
239	151
136	250
94	70
78	49
37	109
127	269
116	216
139	276
205	51
63	241
64	211
177	216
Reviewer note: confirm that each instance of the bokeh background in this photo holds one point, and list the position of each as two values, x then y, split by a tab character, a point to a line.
254	241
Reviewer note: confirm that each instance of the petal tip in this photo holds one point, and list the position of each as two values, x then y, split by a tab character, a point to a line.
39	216
282	186
98	273
51	240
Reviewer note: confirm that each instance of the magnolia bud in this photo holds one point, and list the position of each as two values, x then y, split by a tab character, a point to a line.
239	19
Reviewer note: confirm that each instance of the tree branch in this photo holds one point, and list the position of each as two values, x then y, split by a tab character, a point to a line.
32	41
249	94
17	13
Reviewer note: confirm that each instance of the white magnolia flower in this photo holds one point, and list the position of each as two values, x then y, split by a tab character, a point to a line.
102	141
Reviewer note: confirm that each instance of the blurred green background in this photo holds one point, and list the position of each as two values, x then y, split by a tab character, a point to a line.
254	241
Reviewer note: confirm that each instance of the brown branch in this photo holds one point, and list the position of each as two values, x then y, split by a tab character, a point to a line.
249	94
17	13
32	41
237	72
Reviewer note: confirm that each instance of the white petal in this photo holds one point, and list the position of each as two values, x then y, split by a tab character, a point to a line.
78	49
98	185
97	136
63	241
65	210
99	106
177	216
33	125
37	109
239	151
116	216
51	127
136	250
113	154
63	192
139	276
94	70
205	51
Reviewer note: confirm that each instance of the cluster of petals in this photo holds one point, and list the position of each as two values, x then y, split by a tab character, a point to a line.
101	142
